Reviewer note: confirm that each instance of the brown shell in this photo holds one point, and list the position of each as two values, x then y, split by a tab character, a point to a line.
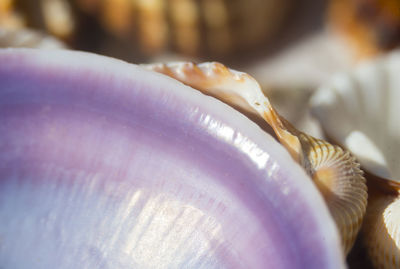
206	27
212	27
371	26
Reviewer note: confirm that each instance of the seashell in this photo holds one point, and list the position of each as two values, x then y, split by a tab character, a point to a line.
57	17
334	171
359	110
106	164
206	27
370	26
209	27
381	230
28	38
9	19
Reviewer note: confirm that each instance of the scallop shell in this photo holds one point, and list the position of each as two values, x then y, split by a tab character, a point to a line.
360	111
335	172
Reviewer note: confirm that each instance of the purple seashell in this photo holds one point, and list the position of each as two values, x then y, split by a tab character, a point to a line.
106	165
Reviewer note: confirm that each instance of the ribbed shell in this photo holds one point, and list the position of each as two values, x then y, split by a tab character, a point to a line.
381	231
335	172
192	26
211	27
339	178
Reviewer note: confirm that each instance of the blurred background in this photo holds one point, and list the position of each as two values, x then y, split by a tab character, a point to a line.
290	46
306	40
139	30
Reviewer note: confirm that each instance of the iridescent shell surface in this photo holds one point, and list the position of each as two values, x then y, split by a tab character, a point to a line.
105	164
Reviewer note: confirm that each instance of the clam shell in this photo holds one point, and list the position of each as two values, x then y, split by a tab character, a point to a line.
105	164
334	171
360	110
381	231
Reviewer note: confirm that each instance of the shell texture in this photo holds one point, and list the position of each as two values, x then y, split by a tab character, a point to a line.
190	26
106	165
381	231
206	27
360	111
334	171
337	175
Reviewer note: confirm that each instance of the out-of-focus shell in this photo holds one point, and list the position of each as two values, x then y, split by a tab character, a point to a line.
381	230
28	39
370	26
333	170
206	27
57	17
360	110
8	17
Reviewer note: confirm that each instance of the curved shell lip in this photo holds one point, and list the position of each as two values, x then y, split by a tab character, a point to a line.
357	109
261	144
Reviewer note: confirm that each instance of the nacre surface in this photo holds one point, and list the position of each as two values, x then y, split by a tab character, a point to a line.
106	165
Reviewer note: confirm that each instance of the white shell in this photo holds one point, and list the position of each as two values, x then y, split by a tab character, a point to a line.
360	110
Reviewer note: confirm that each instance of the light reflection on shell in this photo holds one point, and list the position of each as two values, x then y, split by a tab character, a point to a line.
104	162
334	171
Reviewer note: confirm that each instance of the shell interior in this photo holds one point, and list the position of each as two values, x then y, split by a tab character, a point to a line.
105	164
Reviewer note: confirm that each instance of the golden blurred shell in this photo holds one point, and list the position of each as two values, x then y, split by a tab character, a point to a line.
193	26
370	26
334	171
206	27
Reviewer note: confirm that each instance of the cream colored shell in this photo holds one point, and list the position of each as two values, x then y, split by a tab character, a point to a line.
334	171
360	110
382	231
